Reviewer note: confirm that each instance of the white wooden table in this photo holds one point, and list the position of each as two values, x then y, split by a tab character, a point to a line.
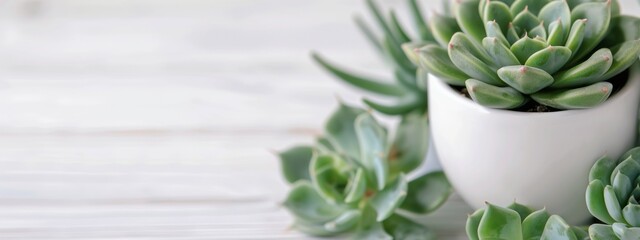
152	119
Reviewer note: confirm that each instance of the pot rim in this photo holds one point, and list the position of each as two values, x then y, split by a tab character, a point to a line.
632	83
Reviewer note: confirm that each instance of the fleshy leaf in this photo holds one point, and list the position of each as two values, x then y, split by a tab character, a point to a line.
634	153
538	32
410	143
472	224
557	33
368	33
493	30
462	56
356	187
324	146
625	56
326	177
373	141
403	105
381	21
386	201
494	97
341	131
624	232
501	55
400	60
602	169
631	214
595	201
533	225
397	28
556	10
601	232
576	36
305	203
612	203
525	79
427	193
534	6
402	228
443	28
294	163
584	97
585	73
599	15
557	229
469	20
550	59
500	223
419	22
522	210
525	47
498	12
526	20
436	60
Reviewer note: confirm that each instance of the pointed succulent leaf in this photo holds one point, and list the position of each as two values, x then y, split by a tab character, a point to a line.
436	60
577	98
595	202
341	131
386	201
628	167
381	21
294	163
325	176
373	141
525	79
374	230
400	60
625	233
324	146
538	32
500	223
576	36
443	28
493	31
612	204
369	34
512	34
472	224
419	22
534	224
411	50
408	80
474	47
581	233
621	29
427	193
585	73
550	59
522	210
462	56
557	34
410	143
498	12
469	20
601	232
556	10
356	187
534	6
631	214
402	228
599	15
397	28
494	97
525	47
305	203
557	229
602	170
365	83
403	105
526	20
501	55
625	56
634	153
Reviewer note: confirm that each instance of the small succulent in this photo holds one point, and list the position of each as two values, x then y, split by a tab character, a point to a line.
519	222
408	89
613	196
508	52
354	179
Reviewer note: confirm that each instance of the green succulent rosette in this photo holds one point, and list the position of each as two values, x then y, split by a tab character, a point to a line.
562	54
613	195
353	180
519	222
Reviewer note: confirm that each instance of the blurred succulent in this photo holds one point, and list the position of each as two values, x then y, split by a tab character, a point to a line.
353	179
506	52
613	195
519	222
408	90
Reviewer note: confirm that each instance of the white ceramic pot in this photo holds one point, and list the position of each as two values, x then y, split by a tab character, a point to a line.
538	159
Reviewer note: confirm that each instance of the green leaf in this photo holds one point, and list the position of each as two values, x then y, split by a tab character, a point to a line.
427	193
533	225
494	97
368	33
512	34
386	201
599	15
340	130
499	12
612	204
345	222
436	60
624	232
601	232
324	146
401	228
306	204
556	10
462	55
628	167
557	33
525	79
602	169
581	233
585	73
411	50
410	143
534	6
365	83
356	187
526	20
469	20
403	105
443	28
622	29
577	98
595	201
538	32
501	55
419	22
625	56
631	214
398	29
634	153
396	53
372	231
500	223
525	47
326	177
382	22
373	146
493	30
557	229
550	59
576	36
623	176
473	221
294	163
522	210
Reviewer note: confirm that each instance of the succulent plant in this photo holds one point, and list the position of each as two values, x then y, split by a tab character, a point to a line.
408	89
613	196
508	52
518	222
354	178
